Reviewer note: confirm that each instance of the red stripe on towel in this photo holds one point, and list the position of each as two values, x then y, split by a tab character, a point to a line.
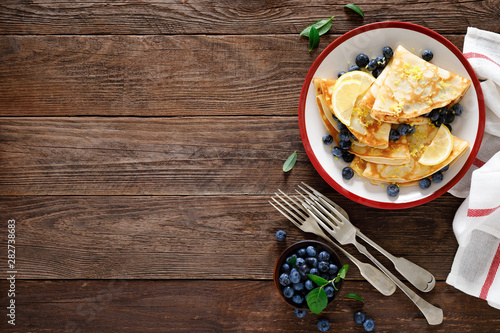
477	162
481	212
491	275
470	55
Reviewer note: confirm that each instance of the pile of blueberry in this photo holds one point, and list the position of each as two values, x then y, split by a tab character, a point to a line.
360	318
444	115
375	66
294	279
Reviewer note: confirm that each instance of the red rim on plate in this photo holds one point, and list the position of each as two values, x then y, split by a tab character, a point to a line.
302	124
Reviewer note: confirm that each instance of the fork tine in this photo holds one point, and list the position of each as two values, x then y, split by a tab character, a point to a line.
329	203
283	213
298	209
317	215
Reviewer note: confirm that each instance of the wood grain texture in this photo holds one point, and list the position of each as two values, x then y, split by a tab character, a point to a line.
156	75
227	306
234	17
199	237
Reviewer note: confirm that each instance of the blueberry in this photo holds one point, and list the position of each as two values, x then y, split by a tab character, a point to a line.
289	259
345	144
381	62
369	325
311	251
284	280
323	325
359	317
324	256
340	74
362	60
294	275
372	65
354	68
457	109
300	261
387	52
280	235
434	115
427	55
301	252
437	177
323	266
340	126
394	135
393	190
347	156
329	291
298	286
314	271
312	262
288	292
344	135
376	72
411	130
403	129
309	285
297	299
325	276
332	269
300	313
303	270
327	139
450	117
337	151
347	173
285	267
445	168
424	183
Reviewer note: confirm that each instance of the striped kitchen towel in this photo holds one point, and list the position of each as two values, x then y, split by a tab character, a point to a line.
475	269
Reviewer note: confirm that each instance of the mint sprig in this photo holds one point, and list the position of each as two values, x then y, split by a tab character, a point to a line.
316	298
315	30
354	296
355	9
290	162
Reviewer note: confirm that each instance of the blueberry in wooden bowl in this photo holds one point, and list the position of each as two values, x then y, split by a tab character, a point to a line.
305	269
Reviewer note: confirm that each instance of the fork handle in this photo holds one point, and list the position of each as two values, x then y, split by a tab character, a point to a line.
433	314
416	275
375	277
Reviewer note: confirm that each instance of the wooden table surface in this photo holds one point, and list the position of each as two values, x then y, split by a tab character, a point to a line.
140	142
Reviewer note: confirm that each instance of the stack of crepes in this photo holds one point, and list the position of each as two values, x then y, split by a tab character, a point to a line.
407	89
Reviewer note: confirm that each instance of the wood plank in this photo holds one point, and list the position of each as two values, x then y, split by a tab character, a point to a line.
155	75
193	237
233	17
224	306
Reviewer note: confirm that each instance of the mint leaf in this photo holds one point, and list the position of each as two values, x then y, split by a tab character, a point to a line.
292	261
318	280
317	300
355	296
290	162
355	8
313	38
343	271
323	26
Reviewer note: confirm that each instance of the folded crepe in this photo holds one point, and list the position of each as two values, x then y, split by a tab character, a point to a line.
397	153
366	129
408	173
411	87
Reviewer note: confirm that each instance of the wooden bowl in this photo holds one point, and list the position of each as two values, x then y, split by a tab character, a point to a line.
289	251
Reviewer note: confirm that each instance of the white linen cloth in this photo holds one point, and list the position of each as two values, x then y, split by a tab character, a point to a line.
476	225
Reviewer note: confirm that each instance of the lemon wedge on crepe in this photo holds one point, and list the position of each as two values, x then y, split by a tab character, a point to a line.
346	91
439	149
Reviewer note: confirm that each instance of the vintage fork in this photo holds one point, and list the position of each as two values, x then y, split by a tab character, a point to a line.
416	275
432	314
298	216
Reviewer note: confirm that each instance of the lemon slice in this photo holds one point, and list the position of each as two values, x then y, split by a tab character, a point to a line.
346	91
439	149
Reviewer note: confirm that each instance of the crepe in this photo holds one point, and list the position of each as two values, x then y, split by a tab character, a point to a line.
367	130
397	153
411	172
412	87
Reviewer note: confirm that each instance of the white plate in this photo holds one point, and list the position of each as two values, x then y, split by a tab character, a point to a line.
370	39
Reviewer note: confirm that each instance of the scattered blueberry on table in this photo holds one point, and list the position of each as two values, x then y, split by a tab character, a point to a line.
359	317
280	235
323	325
369	325
300	313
